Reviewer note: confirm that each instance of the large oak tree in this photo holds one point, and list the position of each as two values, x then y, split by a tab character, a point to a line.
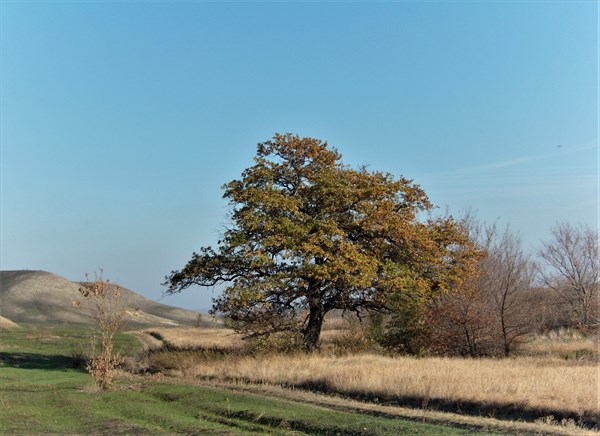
309	234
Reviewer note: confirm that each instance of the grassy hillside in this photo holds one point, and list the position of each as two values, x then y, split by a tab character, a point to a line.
39	297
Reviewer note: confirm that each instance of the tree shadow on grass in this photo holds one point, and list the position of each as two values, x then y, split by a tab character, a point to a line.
51	362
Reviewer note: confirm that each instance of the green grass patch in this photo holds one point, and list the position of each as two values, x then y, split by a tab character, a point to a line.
61	341
36	401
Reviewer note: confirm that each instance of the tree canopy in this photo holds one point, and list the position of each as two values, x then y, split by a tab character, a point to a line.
309	234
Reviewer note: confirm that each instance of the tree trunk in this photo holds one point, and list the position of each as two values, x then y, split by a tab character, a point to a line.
312	331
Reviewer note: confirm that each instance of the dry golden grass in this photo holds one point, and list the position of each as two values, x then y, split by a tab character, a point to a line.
567	344
526	382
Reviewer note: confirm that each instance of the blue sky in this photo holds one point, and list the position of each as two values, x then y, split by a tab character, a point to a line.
120	122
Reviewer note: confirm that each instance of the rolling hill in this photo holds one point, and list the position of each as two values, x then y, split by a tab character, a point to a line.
35	297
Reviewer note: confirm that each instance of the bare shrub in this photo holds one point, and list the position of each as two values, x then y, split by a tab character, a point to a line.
103	301
486	314
573	270
461	323
505	281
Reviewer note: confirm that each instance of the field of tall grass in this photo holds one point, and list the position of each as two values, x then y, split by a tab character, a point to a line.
536	385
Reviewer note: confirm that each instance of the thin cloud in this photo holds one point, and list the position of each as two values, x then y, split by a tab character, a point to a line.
494	165
567	149
504	164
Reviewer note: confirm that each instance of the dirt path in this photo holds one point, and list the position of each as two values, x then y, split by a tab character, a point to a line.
149	342
472	423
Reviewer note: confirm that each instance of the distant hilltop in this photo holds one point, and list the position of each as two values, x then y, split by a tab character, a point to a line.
40	297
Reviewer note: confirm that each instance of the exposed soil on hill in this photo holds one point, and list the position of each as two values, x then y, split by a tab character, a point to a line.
6	323
36	297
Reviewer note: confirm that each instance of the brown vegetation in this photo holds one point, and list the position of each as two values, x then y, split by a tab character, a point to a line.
533	383
539	385
487	315
568	344
572	258
107	311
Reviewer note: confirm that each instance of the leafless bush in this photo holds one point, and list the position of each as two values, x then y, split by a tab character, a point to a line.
548	311
506	279
573	270
487	315
461	323
103	300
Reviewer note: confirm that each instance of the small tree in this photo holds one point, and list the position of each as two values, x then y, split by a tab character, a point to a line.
506	281
573	270
103	300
